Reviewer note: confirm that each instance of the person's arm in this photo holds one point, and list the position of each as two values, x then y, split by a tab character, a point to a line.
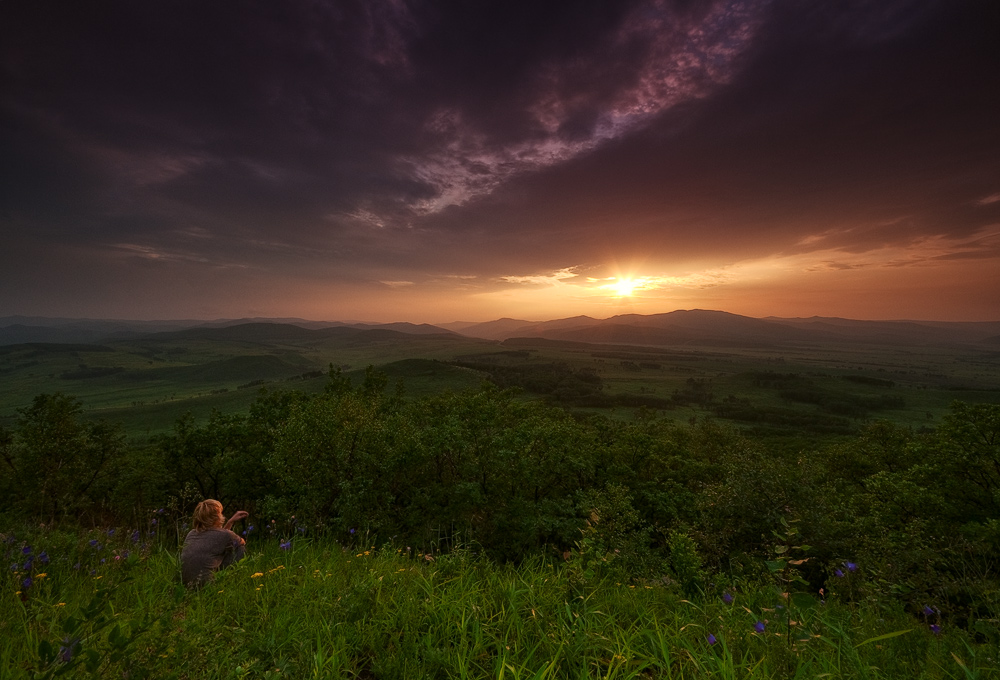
237	516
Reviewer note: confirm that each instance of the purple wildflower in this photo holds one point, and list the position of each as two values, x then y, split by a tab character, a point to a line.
286	545
928	611
66	650
26	550
352	531
759	626
111	532
27	565
159	511
26	583
135	536
936	629
851	566
153	522
711	639
838	573
43	557
727	598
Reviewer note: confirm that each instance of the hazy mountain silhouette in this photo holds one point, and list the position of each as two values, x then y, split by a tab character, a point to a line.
699	326
680	327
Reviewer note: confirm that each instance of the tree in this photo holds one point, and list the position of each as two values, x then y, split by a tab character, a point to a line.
60	465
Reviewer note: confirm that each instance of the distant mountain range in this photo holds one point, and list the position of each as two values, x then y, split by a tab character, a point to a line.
15	330
698	326
681	327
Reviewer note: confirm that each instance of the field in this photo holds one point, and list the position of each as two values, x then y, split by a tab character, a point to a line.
108	603
527	509
790	391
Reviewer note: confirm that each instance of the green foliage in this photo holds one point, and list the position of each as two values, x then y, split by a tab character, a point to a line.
685	563
639	499
320	610
54	464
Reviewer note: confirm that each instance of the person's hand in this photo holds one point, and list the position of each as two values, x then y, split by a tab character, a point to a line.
238	515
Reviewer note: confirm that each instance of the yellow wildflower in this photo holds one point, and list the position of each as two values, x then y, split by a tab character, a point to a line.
258	574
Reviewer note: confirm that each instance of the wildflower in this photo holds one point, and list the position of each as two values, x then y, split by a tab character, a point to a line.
153	522
26	550
851	566
26	583
159	511
125	555
69	645
135	536
759	626
103	560
285	545
727	598
27	565
93	543
352	531
42	575
43	557
936	629
838	573
711	639
928	611
258	574
111	532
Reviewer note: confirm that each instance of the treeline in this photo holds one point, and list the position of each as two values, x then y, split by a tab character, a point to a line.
921	513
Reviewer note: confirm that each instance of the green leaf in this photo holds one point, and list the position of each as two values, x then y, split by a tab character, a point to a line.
804	600
45	652
893	634
70	625
93	660
775	565
116	638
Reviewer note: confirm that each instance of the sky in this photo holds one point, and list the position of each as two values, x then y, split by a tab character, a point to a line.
436	161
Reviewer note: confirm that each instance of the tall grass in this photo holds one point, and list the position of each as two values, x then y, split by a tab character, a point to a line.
115	608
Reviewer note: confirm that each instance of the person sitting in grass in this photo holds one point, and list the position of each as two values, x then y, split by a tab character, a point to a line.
210	545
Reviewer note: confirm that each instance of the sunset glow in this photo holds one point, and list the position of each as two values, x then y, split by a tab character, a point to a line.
418	162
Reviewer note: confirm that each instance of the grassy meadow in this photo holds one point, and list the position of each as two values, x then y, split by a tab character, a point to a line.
818	390
107	603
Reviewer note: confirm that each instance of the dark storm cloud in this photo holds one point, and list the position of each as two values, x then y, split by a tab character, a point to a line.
493	138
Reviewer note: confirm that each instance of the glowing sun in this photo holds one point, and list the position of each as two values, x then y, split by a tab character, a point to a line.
624	287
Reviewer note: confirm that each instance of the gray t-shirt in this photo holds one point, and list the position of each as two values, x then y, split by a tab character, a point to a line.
205	552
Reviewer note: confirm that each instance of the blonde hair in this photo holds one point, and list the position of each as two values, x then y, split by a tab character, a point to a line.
207	515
